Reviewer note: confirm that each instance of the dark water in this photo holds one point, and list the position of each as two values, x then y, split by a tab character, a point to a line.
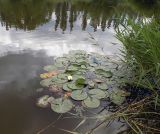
33	31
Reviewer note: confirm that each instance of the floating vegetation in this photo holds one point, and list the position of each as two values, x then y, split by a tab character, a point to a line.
82	77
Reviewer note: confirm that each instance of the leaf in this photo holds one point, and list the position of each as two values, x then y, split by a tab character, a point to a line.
61	59
91	102
98	80
78	95
103	86
74	86
46	82
117	96
50	68
117	99
104	72
108	74
62	76
61	81
80	81
43	101
66	88
49	74
91	84
83	67
72	68
61	105
97	93
59	65
54	88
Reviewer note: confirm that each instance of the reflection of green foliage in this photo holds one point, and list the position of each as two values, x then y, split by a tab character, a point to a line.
28	14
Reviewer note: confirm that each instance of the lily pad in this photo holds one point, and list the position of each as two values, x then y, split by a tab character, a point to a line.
91	84
74	86
66	88
61	81
79	95
104	72
55	88
107	74
61	59
80	81
118	96
83	67
103	86
46	82
62	76
43	101
61	105
97	93
91	102
117	99
50	68
72	68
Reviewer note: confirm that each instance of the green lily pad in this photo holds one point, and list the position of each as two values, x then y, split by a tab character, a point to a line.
61	81
80	81
78	76
72	68
83	67
62	76
103	86
118	96
117	99
97	93
61	105
46	82
54	78
91	102
78	95
73	86
107	74
43	101
91	84
104	72
66	88
61	59
50	68
81	61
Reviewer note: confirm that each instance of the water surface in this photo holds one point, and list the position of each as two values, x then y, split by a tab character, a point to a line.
33	32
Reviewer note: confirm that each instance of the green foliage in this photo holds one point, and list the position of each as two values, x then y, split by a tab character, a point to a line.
89	84
141	42
61	105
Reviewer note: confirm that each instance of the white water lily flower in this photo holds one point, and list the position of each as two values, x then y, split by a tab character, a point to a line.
70	77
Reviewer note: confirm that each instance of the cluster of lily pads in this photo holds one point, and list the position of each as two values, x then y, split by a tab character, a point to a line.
87	78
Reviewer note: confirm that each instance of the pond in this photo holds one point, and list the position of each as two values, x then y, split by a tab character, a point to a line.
33	32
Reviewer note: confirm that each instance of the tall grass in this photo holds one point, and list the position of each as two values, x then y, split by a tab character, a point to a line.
141	42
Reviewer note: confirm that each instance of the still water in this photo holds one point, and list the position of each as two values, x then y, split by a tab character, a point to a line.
33	32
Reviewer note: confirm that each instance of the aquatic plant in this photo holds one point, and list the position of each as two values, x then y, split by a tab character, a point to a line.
141	43
78	76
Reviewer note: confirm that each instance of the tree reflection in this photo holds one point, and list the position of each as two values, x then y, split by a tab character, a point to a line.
29	14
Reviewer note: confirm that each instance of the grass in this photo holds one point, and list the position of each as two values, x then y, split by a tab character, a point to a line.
141	42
